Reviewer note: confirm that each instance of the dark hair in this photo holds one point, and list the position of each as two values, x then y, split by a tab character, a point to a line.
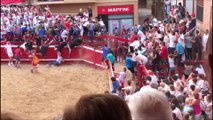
192	87
167	94
124	69
98	107
129	82
149	78
113	79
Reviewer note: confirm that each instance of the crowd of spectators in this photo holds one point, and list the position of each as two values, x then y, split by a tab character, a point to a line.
179	46
35	25
173	42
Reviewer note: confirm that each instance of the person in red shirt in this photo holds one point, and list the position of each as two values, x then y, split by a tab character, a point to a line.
164	53
134	37
18	54
124	32
67	23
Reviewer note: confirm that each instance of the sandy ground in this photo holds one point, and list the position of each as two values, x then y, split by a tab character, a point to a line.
43	95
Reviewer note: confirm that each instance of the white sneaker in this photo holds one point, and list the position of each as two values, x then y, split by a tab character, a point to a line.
9	64
12	64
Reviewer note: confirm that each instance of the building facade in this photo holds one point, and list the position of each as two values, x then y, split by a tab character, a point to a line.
203	13
115	13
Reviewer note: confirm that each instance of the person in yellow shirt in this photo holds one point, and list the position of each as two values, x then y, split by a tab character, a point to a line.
34	61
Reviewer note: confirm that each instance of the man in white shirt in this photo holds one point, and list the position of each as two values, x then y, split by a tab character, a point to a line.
141	58
177	112
122	77
181	39
172	39
142	36
135	44
205	39
202	84
8	49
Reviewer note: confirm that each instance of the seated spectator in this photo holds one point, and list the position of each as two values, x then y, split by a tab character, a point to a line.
98	107
58	61
149	104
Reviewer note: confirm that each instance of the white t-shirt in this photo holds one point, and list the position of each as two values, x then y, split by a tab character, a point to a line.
135	44
130	88
122	76
64	34
204	41
202	84
142	36
166	40
142	58
154	79
59	59
8	48
181	40
178	113
172	40
171	62
200	70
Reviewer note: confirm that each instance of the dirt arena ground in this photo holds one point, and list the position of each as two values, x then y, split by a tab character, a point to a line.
43	95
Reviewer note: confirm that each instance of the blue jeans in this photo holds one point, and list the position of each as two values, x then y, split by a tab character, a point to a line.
54	63
91	35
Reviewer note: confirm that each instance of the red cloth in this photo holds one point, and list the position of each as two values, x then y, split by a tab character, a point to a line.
164	53
7	2
134	36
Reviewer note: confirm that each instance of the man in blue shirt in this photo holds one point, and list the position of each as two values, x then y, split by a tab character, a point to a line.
130	65
42	32
111	58
180	52
115	84
105	52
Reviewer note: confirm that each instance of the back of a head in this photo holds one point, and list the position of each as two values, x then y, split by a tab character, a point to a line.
149	104
98	107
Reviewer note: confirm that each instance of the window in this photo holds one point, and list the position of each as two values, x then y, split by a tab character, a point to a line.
142	3
199	10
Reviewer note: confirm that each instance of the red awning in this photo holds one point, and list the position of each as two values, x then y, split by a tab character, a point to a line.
8	2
